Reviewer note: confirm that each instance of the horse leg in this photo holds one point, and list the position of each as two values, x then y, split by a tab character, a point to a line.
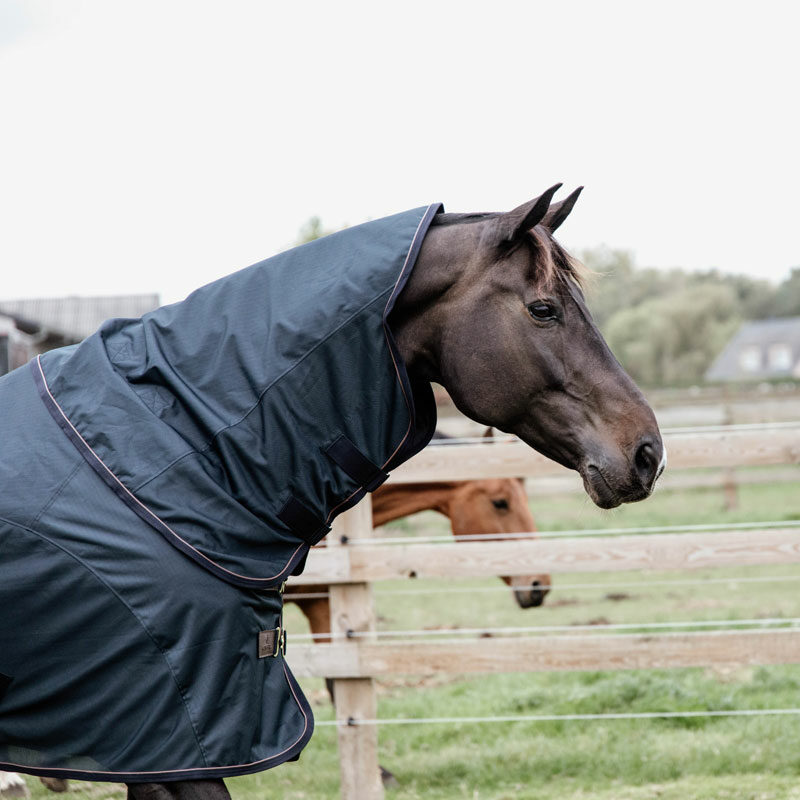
318	613
55	784
317	610
207	789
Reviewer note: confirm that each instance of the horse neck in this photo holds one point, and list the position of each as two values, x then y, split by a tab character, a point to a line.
430	295
401	499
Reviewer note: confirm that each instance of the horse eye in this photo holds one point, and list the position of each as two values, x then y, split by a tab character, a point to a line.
542	311
501	504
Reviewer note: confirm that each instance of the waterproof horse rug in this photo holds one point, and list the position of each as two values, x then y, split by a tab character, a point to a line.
158	484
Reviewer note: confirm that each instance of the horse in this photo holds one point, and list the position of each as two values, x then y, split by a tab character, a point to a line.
237	424
474	508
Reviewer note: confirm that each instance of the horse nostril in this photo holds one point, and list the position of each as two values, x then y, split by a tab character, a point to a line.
646	462
535	584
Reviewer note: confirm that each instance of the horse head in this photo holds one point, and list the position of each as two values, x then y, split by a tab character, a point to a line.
494	311
498	506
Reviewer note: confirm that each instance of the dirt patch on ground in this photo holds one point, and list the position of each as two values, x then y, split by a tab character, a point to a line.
618	597
594	621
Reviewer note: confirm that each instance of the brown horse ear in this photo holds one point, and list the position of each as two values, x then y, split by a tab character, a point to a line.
515	224
558	212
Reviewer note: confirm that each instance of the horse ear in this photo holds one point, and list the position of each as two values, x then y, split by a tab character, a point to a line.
558	212
515	224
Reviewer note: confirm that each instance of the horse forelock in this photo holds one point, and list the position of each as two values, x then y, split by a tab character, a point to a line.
552	265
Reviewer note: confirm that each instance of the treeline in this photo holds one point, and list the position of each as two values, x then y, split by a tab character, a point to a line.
667	326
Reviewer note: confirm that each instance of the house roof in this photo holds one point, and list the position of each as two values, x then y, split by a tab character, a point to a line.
74	318
758	340
19	323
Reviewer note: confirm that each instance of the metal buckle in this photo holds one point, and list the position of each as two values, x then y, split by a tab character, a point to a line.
276	638
280	642
279	633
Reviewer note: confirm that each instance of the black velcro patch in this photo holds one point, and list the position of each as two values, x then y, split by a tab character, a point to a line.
302	522
344	453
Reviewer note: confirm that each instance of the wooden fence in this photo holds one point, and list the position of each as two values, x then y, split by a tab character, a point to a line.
350	564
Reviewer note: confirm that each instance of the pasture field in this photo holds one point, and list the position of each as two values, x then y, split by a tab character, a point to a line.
753	758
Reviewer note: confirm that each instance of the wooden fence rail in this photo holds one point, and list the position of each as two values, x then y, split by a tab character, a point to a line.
667	551
546	653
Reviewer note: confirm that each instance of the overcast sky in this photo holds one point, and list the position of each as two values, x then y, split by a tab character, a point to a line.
154	145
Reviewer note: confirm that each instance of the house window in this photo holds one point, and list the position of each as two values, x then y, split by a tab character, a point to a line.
750	358
780	357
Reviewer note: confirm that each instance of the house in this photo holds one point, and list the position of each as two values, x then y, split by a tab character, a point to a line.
30	327
16	342
761	350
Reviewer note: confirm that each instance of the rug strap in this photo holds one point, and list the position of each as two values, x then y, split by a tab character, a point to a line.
302	521
346	455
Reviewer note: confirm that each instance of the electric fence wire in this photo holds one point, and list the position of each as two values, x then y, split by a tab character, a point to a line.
699	430
710	527
538	718
785	624
560	587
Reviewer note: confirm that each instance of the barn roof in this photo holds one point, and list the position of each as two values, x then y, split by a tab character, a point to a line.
760	350
74	318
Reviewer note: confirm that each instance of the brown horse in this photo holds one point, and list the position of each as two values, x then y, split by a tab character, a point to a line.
493	311
494	506
491	506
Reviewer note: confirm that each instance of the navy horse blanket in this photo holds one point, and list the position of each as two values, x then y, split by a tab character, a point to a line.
160	481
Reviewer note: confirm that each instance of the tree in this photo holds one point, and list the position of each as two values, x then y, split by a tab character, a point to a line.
787	301
671	340
312	229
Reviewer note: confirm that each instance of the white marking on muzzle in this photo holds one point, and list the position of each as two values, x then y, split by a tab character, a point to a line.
663	464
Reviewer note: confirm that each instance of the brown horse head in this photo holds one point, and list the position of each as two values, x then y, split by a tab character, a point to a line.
498	506
494	311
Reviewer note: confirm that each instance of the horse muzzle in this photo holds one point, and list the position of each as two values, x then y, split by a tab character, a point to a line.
627	479
530	592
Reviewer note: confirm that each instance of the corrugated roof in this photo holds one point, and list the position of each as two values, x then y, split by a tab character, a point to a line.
75	318
754	342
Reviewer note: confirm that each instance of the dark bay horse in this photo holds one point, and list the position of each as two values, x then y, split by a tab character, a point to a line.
488	305
494	312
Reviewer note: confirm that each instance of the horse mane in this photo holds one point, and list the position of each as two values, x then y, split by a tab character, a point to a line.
557	265
464	219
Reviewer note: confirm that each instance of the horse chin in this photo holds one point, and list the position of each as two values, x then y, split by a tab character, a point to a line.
530	593
531	599
609	491
598	488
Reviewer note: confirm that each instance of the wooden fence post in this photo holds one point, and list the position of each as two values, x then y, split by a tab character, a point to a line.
352	609
730	489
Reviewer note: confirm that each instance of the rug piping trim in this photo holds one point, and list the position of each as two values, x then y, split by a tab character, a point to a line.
190	773
137	506
152	519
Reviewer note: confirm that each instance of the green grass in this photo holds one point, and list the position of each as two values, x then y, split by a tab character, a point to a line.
679	759
693	758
